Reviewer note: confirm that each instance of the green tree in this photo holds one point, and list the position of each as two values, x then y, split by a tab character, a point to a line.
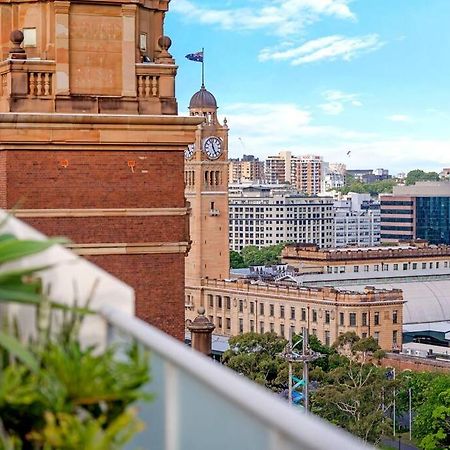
356	397
258	357
254	256
420	175
439	436
236	260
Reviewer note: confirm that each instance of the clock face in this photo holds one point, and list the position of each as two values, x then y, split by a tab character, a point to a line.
189	152
212	147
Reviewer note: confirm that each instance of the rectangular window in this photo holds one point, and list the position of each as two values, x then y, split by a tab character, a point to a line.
376	267
431	265
272	310
252	307
437	265
314	315
261	327
352	318
355	268
395	316
252	326
327	338
376	335
261	309
219	301
327	316
394	337
282	330
210	300
366	268
292	313
384	267
228	324
219	322
272	327
424	265
228	302
364	319
414	266
364	335
395	266
341	319
405	266
281	312
304	314
376	318
292	330
241	305
241	325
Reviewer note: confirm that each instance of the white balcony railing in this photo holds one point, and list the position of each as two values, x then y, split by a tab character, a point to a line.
200	405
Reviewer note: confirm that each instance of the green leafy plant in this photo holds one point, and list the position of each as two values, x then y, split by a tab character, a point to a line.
56	394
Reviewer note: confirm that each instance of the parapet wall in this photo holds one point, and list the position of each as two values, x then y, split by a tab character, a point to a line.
315	254
320	294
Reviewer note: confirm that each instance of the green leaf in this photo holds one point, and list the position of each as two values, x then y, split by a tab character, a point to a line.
14	346
13	249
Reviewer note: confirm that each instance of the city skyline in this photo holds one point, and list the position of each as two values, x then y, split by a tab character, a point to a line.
367	73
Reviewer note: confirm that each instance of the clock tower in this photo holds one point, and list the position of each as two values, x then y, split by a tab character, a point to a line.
206	181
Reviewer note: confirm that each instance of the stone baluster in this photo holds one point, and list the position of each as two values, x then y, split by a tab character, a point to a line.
31	84
47	87
147	86
140	86
154	86
38	84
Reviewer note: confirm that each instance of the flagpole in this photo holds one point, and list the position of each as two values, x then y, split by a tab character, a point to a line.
203	67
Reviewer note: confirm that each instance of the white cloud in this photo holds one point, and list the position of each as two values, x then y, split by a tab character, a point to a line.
399	118
337	100
281	17
324	48
266	129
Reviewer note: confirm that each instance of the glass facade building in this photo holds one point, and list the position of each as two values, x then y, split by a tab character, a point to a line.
433	219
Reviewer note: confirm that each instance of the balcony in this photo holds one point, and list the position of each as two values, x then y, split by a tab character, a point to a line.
31	85
199	404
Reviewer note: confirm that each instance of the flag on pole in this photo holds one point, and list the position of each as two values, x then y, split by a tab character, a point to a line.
197	57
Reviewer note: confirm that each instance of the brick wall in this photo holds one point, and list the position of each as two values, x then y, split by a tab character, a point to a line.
403	362
158	281
94	179
110	179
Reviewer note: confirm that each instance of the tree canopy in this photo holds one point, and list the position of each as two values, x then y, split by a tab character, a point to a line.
254	256
420	175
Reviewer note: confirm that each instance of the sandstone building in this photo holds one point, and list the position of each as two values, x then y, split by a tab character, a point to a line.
237	307
91	146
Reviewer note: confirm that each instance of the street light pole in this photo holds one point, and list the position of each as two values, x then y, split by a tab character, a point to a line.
305	369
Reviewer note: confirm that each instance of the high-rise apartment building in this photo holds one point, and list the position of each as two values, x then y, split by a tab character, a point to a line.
260	216
421	211
249	169
281	168
91	146
308	174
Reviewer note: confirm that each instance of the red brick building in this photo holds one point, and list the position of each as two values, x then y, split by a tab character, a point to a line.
93	150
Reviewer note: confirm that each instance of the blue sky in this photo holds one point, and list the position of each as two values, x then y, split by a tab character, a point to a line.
323	76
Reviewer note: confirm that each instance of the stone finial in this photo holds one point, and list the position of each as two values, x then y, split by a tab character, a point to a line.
17	52
165	57
201	333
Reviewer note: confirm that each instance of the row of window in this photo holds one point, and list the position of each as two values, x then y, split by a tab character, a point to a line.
263	308
385	267
326	339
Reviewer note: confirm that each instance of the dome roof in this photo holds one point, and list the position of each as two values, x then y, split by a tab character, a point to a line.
203	99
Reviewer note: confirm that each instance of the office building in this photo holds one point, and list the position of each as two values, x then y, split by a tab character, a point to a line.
420	211
357	221
260	216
